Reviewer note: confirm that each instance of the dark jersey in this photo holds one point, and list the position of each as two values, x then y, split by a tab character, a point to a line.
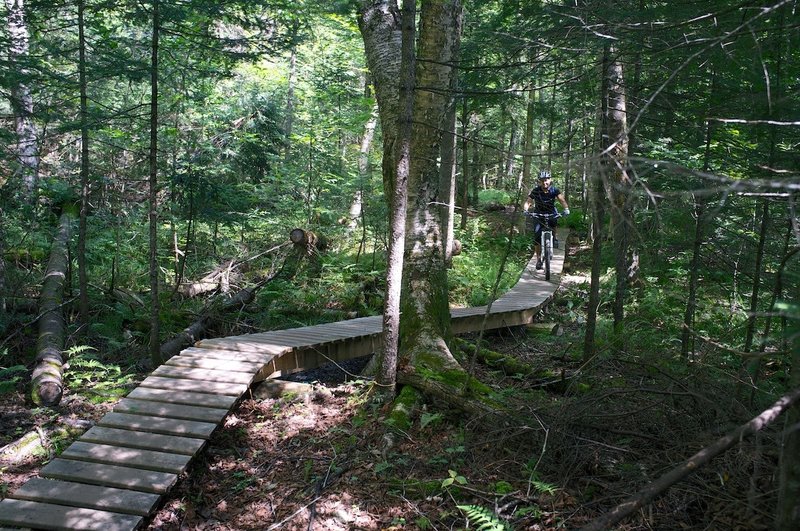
544	201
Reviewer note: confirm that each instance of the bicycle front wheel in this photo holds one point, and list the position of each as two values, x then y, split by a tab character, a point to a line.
548	254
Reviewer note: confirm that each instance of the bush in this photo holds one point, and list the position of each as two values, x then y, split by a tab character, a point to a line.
493	197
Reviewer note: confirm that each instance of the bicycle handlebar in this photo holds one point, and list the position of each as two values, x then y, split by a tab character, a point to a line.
542	215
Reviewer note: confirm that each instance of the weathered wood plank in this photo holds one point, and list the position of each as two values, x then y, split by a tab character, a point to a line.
177	384
50	516
186	428
109	475
220	354
87	496
222	365
128	457
143	440
203	374
175	411
184	397
225	343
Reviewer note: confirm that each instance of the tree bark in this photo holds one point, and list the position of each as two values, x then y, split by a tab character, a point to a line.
47	384
614	142
425	315
701	458
83	279
447	181
27	148
155	353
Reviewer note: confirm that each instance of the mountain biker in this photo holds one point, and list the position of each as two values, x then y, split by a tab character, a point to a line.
543	198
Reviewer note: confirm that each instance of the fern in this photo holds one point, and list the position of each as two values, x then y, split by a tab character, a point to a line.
483	518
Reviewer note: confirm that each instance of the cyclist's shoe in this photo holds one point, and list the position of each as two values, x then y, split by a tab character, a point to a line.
538	264
555	243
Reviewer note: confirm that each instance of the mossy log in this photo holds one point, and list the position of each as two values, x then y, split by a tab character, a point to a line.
308	240
47	384
38	442
550	329
496	360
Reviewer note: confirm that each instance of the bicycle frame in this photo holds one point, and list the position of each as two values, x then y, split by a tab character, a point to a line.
546	239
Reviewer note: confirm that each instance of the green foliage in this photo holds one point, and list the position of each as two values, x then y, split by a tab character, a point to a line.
454	479
493	197
484	519
86	372
10	377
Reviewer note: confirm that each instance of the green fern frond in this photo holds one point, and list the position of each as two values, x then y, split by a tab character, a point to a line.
483	518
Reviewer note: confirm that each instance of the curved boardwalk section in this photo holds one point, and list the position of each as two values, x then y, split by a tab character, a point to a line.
116	473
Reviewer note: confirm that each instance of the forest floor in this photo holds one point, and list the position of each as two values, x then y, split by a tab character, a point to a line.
594	434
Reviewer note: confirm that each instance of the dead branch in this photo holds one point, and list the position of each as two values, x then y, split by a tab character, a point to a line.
701	458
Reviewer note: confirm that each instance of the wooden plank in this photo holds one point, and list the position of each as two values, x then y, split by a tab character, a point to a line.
50	516
223	365
183	397
186	428
238	344
143	440
175	411
203	374
220	354
109	475
175	384
128	457
88	496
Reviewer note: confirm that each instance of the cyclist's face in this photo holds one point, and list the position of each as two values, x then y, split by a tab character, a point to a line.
545	183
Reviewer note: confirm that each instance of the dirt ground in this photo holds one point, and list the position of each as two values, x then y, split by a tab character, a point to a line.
587	436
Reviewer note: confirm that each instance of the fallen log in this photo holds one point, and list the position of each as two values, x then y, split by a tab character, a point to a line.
37	442
195	331
550	329
47	384
218	279
310	240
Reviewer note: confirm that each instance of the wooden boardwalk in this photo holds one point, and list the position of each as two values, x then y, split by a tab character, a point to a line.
115	475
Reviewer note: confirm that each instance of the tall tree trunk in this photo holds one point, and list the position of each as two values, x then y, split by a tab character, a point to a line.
289	121
27	149
357	204
155	343
47	385
83	280
465	167
388	39
387	364
687	338
756	291
614	142
527	155
447	178
425	316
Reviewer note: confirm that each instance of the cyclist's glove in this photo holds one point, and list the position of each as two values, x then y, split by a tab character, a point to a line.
566	212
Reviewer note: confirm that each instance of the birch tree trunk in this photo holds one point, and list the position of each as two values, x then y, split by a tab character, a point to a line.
447	180
425	314
27	148
389	47
47	384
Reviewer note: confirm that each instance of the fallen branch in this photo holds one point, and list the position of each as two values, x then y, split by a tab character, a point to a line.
197	329
701	458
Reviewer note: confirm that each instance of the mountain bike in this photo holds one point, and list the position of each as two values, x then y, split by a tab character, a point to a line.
546	239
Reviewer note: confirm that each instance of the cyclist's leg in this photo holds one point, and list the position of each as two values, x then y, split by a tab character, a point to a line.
553	225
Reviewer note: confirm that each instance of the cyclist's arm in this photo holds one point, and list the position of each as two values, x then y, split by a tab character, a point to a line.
527	204
563	201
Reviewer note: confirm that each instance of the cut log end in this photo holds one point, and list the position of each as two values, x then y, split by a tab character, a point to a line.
47	394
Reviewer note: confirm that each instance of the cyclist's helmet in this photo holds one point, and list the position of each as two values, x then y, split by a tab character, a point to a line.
544	175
